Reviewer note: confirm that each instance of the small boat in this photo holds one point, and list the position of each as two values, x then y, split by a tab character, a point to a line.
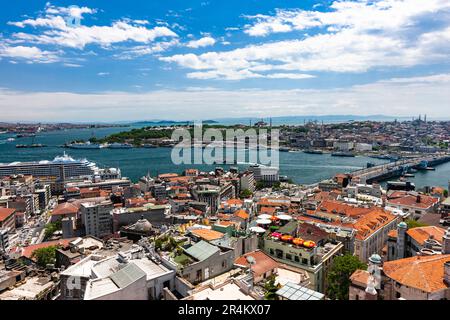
10	139
430	168
408	175
284	149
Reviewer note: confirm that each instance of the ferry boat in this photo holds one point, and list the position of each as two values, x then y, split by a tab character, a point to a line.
313	151
342	154
84	145
116	145
25	135
34	145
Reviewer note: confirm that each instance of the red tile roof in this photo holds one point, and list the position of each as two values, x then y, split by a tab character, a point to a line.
242	214
360	277
420	234
335	207
5	213
405	199
64	209
421	272
263	264
28	251
207	234
372	222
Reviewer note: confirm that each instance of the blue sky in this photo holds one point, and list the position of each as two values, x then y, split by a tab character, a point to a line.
136	60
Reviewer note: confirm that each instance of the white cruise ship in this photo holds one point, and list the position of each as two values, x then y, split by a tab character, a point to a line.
62	167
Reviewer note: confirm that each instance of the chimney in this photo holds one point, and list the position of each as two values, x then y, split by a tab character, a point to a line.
418	199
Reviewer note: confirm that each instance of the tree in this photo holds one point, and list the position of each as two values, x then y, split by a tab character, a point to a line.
339	276
271	288
45	256
411	223
245	193
51	228
276	186
260	185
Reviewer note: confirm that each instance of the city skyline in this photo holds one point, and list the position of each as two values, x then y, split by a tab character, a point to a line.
212	60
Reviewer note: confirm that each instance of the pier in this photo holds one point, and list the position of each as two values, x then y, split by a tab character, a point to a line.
397	168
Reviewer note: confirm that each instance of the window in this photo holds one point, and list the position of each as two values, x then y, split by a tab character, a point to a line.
279	253
271	252
288	256
397	295
304	261
297	259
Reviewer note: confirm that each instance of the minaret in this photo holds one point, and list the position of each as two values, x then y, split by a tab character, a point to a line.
446	242
401	239
374	280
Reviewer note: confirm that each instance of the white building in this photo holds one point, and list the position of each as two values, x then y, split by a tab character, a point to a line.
96	218
264	173
343	145
129	275
363	147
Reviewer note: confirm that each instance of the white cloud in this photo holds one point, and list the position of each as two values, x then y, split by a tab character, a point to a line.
200	43
397	97
289	76
31	54
352	37
57	32
102	74
72	65
73	11
154	48
361	15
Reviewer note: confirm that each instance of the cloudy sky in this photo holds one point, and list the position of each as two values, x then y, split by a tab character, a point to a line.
142	60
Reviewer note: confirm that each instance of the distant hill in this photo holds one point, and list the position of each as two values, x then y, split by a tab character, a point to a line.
167	123
283	120
298	120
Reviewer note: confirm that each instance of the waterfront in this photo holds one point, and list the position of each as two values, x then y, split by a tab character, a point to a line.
300	167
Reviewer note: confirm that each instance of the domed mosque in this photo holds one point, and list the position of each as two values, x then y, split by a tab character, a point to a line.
142	228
